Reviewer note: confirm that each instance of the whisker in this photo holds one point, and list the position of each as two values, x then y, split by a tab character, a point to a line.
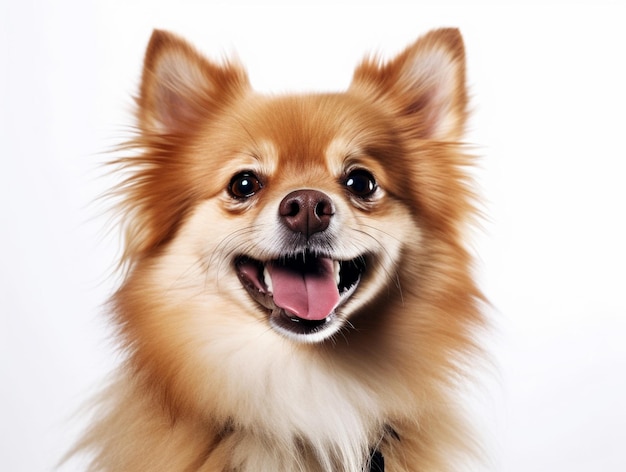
239	241
395	276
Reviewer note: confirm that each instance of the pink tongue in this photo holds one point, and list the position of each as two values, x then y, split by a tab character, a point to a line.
308	295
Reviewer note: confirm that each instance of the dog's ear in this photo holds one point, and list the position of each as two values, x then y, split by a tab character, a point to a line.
424	86
179	87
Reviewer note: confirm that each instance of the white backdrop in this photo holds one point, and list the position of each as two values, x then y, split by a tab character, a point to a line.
548	81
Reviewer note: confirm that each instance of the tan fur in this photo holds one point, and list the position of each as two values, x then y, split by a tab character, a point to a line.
208	384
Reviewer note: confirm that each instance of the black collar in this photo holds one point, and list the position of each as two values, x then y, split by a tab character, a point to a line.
377	462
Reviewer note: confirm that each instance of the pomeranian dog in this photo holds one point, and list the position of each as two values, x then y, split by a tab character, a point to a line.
298	295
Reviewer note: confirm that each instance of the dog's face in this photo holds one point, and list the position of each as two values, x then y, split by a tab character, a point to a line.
295	212
303	215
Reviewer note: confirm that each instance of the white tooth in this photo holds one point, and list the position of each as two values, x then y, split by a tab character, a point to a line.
337	268
268	280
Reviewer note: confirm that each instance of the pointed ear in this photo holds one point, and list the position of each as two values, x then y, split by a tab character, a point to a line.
424	86
179	87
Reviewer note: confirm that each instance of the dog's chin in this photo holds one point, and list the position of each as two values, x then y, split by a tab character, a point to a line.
317	317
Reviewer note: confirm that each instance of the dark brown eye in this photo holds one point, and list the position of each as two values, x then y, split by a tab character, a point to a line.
360	183
244	185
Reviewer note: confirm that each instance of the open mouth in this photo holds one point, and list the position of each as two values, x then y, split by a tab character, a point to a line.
301	292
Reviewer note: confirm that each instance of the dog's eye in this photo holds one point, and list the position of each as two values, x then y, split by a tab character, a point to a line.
244	185
361	183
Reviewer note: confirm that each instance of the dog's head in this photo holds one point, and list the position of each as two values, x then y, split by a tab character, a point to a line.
296	211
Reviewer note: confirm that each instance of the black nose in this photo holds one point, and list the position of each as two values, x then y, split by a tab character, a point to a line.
306	211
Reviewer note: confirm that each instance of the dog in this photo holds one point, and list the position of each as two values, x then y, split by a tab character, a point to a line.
297	291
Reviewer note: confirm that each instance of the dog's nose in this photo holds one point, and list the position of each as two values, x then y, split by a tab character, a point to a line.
306	211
